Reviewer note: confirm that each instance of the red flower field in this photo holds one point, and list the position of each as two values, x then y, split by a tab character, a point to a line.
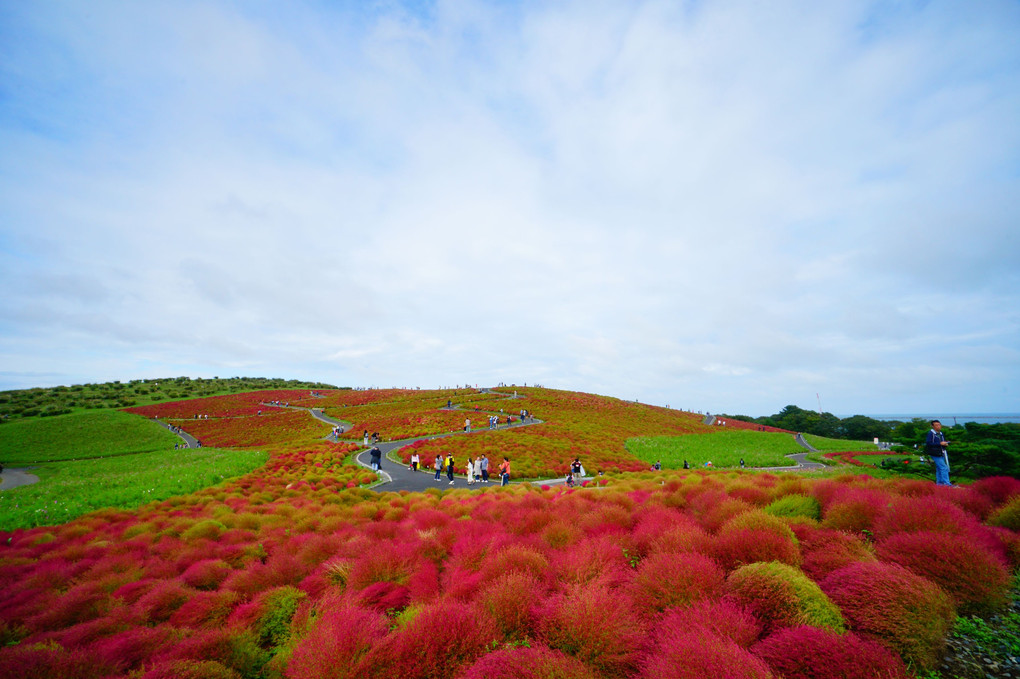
296	571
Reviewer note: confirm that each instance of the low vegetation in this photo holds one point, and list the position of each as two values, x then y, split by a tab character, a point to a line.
46	402
721	447
295	570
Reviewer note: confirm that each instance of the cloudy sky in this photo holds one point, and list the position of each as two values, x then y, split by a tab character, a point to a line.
713	204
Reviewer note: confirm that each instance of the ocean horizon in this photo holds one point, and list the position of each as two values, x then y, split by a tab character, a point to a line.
959	418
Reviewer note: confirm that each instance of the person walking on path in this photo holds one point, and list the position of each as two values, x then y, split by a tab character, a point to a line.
438	464
470	471
478	470
485	469
376	458
467	426
414	461
449	468
935	445
504	472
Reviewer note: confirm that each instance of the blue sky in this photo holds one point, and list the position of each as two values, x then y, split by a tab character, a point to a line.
726	206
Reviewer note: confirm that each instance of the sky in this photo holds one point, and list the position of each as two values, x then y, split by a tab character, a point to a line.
716	205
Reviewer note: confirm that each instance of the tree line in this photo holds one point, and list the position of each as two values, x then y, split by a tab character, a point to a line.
976	450
48	401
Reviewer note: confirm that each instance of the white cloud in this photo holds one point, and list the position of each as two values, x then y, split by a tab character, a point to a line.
719	205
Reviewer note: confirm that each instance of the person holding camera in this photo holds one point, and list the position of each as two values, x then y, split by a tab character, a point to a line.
935	445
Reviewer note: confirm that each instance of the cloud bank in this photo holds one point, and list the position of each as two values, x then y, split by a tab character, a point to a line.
717	205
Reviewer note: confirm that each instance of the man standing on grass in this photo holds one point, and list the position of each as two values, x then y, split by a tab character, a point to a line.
935	445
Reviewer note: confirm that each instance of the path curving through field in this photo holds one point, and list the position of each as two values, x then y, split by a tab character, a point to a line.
13	478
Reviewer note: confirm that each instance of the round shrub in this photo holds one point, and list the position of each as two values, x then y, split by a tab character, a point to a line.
597	625
755	536
440	640
907	613
855	509
190	669
665	580
910	514
160	602
1008	515
208	529
977	581
510	600
539	662
825	550
999	489
720	617
782	596
206	574
335	645
693	654
813	653
45	661
795	505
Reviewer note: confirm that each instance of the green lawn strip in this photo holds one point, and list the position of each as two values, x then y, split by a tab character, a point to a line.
68	489
826	445
721	448
97	433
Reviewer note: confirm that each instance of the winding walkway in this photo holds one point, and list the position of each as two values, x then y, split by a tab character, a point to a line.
803	464
396	475
14	477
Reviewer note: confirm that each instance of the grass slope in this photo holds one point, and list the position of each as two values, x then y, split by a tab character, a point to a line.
723	448
77	436
68	489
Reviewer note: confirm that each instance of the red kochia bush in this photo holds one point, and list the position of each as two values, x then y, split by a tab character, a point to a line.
825	550
47	662
910	514
999	489
855	509
813	653
694	654
438	642
597	625
190	669
539	662
976	580
904	611
720	617
665	580
510	600
333	648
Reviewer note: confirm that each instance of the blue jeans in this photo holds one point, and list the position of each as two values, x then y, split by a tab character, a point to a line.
941	470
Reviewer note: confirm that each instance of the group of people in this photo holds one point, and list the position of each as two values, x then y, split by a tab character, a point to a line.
477	469
575	471
337	432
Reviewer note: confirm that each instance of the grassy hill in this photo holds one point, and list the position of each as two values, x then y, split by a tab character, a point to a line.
46	402
294	569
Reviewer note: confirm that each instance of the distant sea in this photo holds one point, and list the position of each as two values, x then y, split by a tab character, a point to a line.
980	418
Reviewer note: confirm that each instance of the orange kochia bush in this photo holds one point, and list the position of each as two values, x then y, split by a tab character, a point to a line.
295	571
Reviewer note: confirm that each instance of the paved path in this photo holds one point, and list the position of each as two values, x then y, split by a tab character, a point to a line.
12	478
186	437
396	476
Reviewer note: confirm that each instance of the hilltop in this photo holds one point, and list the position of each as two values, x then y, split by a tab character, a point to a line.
285	564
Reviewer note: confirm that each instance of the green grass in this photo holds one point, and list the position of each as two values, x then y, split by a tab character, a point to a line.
99	433
721	448
68	489
827	445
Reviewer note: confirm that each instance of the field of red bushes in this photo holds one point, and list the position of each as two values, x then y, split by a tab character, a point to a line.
295	571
